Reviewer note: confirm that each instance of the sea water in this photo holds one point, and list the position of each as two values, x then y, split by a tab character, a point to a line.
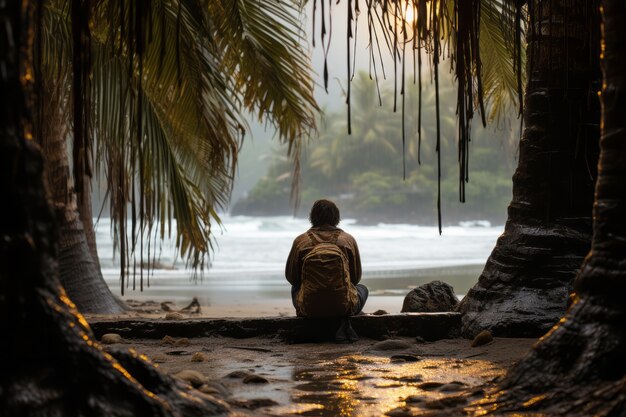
249	257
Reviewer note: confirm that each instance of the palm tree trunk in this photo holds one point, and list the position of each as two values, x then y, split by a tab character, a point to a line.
79	271
85	211
579	367
48	346
523	290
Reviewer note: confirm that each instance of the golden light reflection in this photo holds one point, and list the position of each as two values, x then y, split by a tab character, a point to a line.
534	400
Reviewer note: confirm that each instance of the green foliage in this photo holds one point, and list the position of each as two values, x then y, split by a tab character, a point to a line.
363	171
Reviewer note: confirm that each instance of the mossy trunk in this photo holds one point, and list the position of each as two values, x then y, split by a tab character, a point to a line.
524	288
52	364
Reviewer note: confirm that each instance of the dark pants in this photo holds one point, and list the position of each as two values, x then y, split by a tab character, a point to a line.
361	290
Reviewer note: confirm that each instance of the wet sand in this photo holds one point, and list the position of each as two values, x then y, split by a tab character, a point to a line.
262	306
267	377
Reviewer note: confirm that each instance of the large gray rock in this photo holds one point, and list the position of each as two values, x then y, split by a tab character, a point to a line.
436	296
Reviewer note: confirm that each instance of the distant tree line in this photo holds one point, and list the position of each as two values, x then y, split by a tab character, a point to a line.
363	171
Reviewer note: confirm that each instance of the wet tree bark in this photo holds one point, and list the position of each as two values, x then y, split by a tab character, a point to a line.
51	364
579	367
79	271
523	290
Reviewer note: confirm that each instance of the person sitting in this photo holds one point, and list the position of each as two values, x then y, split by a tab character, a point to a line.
324	268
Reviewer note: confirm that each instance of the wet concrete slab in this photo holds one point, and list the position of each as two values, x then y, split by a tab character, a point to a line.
428	326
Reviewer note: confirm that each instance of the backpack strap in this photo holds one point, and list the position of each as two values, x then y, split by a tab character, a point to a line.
313	238
333	240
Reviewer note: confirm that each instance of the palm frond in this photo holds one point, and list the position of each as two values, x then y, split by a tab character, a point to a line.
167	130
497	20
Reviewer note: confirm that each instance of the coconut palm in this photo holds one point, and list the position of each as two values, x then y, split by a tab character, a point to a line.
167	103
524	288
578	367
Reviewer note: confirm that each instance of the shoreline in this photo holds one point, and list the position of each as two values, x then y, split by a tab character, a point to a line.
267	294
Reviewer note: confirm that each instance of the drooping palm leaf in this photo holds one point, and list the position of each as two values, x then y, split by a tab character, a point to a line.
443	29
262	49
167	96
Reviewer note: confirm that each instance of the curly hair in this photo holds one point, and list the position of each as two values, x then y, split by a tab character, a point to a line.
324	212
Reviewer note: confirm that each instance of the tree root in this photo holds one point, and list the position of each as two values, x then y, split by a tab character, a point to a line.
577	369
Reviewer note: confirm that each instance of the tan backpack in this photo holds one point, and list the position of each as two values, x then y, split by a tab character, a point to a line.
326	290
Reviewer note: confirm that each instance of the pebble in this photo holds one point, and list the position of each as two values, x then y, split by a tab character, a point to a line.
198	357
172	315
159	359
214	388
430	385
414	399
254	403
391	344
183	341
255	379
482	338
452	387
111	339
399	412
379	313
168	340
195	378
404	358
238	374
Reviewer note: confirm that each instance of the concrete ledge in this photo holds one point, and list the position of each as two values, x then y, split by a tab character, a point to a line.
429	326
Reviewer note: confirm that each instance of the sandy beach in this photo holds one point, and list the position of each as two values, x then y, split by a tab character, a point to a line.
261	306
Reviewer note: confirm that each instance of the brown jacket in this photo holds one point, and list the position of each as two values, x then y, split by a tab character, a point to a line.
302	245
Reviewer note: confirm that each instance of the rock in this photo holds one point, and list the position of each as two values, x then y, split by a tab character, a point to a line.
436	296
254	403
171	341
172	315
414	378
238	374
452	387
255	379
427	386
198	357
195	378
399	412
414	399
168	340
379	313
445	402
214	388
404	358
159	359
111	339
482	338
183	341
178	352
392	344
